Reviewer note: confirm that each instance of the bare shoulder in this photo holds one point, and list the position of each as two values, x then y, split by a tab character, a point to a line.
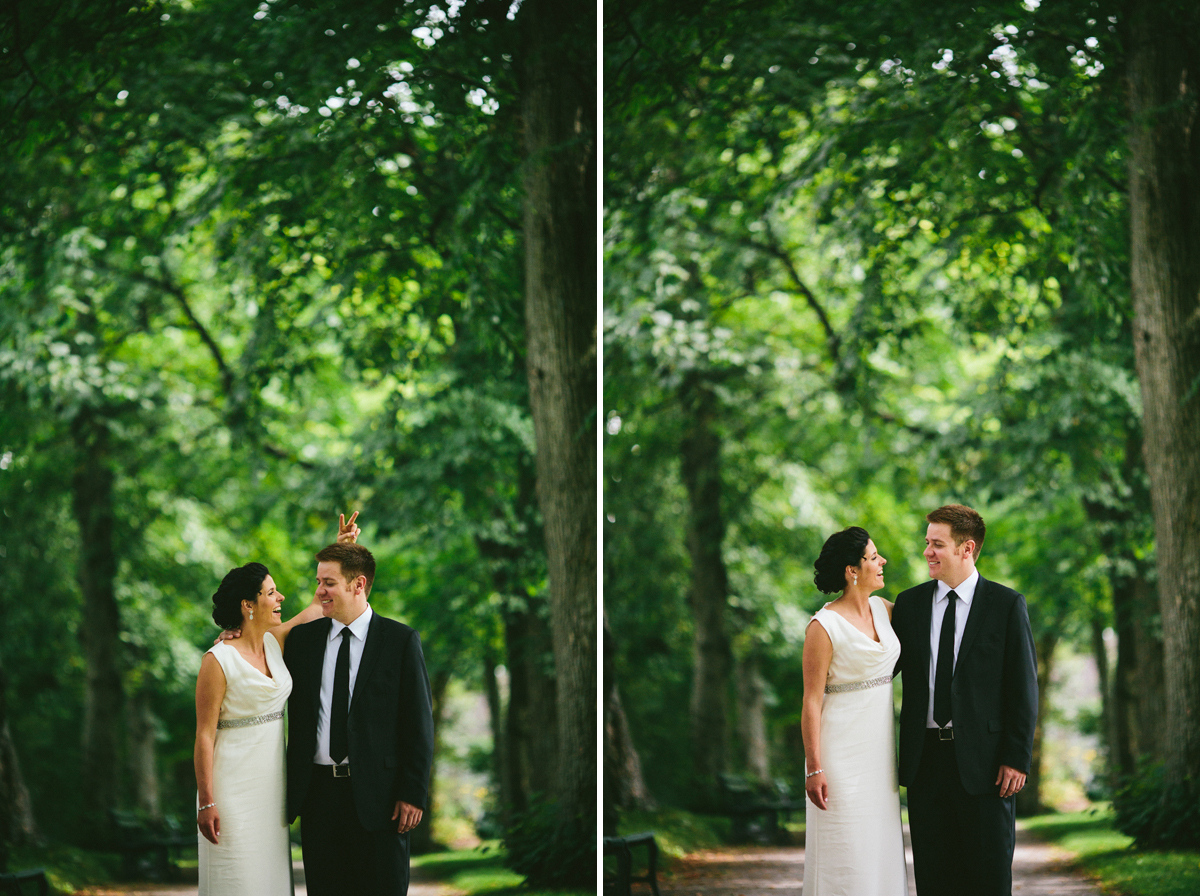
816	656
816	631
210	665
210	682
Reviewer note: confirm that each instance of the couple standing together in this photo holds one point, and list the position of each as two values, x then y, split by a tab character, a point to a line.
360	735
967	719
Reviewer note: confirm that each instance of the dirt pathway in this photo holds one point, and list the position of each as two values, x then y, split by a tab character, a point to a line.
1038	870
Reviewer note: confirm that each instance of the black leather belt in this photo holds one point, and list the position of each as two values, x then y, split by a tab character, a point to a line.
939	734
333	771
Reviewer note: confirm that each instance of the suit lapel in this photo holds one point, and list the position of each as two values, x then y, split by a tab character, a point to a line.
318	662
979	609
371	651
922	628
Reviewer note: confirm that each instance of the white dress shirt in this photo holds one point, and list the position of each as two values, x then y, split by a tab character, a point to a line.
358	639
966	593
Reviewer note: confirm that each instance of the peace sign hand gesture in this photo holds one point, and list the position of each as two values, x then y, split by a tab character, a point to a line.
348	532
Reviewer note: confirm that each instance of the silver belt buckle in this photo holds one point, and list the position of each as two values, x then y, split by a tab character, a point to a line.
945	734
341	771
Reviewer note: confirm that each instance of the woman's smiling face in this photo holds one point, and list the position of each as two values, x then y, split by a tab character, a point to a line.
270	602
870	571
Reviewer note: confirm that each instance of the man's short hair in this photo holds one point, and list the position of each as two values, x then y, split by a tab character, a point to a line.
964	523
355	561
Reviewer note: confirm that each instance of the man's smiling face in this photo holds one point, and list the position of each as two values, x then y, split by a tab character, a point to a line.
948	562
340	599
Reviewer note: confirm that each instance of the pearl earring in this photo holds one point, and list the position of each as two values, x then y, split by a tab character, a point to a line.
251	614
856	580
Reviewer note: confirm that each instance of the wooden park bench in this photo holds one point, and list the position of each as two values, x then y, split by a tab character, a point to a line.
148	850
622	848
755	809
22	883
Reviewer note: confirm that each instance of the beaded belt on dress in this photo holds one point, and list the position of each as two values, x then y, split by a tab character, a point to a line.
246	723
857	685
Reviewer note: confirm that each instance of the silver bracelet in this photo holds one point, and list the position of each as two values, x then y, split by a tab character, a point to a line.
209	806
819	771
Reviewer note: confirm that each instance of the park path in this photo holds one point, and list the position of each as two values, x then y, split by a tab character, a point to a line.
417	887
1039	869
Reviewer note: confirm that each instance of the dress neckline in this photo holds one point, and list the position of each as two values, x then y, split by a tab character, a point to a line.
878	641
266	658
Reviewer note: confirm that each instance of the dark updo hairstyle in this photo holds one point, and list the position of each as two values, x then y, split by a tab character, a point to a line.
238	585
841	549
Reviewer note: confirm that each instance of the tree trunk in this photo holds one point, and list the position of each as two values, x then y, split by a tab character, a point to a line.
624	785
532	730
1149	689
99	632
491	686
708	592
143	753
1029	800
1107	723
421	839
1124	704
558	110
17	825
1139	697
1164	199
752	718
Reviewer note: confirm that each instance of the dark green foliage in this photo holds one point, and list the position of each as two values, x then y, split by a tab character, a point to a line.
893	241
535	846
271	315
1153	815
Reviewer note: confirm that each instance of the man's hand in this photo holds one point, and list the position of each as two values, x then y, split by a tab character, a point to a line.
347	531
227	636
1010	780
408	814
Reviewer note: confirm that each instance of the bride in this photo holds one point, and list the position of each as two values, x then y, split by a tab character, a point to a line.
853	840
240	694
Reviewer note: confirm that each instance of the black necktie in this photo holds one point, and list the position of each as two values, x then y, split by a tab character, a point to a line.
945	665
339	739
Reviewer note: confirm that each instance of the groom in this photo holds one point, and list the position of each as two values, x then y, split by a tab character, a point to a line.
968	713
360	735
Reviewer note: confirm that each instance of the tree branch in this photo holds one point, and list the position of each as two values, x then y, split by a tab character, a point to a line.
776	251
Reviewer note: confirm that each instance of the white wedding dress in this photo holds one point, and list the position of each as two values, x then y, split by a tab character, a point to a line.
253	856
856	846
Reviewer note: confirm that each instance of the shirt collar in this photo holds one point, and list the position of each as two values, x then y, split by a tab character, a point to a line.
965	591
358	628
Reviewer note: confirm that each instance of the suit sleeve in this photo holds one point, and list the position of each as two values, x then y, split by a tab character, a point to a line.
414	741
1020	690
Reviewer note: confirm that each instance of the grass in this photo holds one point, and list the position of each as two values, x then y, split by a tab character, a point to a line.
1107	855
68	868
480	872
676	831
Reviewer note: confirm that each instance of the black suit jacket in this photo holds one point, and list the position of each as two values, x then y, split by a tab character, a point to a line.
391	720
994	692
